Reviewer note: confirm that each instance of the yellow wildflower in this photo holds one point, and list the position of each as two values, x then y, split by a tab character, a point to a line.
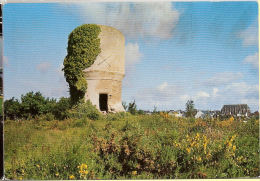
134	172
229	144
208	156
83	170
20	178
197	135
188	150
205	146
234	148
205	137
199	159
83	166
72	177
57	174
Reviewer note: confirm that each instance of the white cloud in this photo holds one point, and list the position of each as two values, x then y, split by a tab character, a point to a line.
250	35
153	19
214	92
223	78
185	97
132	57
232	93
43	67
164	96
241	89
60	72
201	94
132	54
163	86
168	96
252	59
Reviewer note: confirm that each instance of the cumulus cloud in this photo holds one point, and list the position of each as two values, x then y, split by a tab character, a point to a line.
43	67
163	86
153	19
164	96
132	57
232	93
132	54
253	60
215	91
250	35
202	94
223	78
242	89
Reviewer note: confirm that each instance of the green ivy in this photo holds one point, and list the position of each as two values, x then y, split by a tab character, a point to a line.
83	48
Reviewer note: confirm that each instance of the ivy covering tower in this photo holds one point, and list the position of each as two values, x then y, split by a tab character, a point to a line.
83	48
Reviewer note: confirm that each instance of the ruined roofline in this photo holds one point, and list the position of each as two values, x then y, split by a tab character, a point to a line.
228	105
110	27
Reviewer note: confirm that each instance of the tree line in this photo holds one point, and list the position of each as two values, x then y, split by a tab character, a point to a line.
33	104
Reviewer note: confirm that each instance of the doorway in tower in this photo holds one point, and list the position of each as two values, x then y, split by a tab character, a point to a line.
103	102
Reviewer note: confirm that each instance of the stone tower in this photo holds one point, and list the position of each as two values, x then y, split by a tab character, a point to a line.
105	75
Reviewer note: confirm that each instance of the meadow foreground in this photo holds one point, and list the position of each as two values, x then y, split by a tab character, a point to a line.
125	146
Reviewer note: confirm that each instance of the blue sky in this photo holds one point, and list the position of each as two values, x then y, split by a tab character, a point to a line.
203	51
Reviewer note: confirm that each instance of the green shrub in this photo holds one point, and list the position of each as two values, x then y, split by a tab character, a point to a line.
117	116
12	109
132	107
61	109
85	110
32	104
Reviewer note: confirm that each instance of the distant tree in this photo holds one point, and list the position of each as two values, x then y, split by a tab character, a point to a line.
190	109
50	105
61	109
124	105
155	110
132	107
12	108
33	104
140	111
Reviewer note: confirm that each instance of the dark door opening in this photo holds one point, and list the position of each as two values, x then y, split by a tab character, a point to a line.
103	102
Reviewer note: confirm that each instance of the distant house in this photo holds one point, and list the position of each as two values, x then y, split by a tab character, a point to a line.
147	112
236	110
178	114
199	114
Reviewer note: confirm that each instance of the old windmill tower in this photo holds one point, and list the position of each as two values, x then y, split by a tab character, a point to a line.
104	77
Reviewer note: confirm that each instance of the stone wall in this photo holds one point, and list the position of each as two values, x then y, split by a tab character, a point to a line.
106	74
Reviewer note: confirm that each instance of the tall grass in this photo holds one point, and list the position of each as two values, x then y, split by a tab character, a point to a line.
122	145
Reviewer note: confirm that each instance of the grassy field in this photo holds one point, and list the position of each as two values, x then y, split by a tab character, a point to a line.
128	146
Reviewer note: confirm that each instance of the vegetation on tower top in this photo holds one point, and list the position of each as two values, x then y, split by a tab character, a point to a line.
83	48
